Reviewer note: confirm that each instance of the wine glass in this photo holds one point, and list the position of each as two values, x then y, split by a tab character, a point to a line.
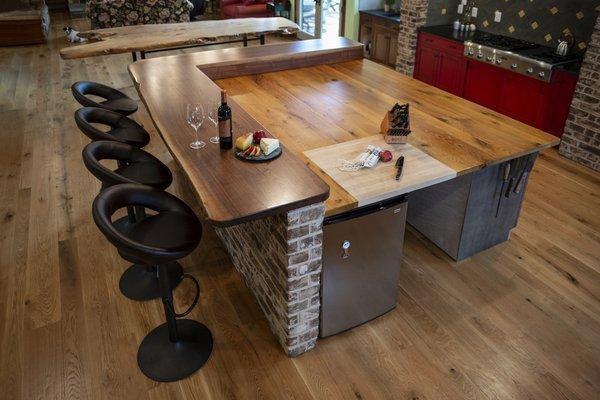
195	117
213	115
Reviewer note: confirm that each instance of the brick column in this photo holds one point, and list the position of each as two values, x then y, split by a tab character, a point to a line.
413	14
581	139
280	260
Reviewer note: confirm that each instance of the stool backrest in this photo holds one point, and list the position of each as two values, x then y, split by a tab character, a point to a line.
82	89
123	153
128	195
86	116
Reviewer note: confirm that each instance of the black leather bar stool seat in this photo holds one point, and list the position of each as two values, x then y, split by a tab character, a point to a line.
139	281
122	129
135	165
114	100
176	349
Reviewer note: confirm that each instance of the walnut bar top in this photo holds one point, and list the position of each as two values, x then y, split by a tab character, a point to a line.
232	191
126	39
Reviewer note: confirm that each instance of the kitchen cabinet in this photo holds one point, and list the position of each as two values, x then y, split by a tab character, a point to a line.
482	84
451	73
470	213
544	105
523	99
440	63
427	65
380	37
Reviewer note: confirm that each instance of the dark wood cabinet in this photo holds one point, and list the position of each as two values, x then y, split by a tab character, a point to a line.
545	105
380	37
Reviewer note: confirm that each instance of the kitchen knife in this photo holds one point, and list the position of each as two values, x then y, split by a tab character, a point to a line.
526	170
505	175
511	182
400	166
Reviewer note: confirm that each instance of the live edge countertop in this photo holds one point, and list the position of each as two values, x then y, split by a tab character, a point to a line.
308	105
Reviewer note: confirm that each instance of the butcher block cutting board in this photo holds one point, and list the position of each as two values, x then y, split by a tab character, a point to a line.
370	185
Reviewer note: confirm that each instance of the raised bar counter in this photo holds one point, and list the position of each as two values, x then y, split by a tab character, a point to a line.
313	94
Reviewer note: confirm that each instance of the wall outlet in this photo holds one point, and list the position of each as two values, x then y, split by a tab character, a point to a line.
474	12
497	16
460	9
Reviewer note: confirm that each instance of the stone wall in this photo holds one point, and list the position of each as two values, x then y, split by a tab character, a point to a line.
581	139
280	260
413	14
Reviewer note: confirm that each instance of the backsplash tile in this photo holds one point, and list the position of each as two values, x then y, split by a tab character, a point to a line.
539	21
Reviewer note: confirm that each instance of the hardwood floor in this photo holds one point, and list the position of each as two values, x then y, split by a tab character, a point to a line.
519	321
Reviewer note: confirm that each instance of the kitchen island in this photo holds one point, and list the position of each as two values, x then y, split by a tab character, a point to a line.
311	95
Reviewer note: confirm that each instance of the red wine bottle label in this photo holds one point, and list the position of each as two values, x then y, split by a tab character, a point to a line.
225	128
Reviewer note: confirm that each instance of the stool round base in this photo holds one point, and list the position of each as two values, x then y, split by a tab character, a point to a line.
139	282
165	361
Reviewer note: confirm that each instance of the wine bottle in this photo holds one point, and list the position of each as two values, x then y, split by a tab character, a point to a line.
225	128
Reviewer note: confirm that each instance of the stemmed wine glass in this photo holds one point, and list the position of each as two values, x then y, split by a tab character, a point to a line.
213	115
195	117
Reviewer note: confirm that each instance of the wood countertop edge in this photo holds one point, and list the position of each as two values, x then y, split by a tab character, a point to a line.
479	167
268	211
74	51
276	56
244	218
227	59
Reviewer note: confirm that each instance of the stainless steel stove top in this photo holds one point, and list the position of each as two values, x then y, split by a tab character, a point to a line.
516	55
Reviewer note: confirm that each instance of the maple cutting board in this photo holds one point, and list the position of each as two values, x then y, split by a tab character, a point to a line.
370	185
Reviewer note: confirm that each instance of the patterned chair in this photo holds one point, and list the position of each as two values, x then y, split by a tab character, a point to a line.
113	13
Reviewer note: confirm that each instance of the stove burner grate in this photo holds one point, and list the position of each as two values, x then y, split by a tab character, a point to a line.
554	59
504	42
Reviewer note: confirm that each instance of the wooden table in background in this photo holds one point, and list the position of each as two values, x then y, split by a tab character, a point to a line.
158	37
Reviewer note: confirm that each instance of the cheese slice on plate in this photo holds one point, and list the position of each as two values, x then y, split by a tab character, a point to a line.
269	145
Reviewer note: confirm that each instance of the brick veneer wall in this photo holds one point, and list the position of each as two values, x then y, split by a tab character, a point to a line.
280	260
581	140
413	14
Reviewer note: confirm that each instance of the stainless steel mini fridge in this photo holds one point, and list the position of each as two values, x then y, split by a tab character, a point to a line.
362	253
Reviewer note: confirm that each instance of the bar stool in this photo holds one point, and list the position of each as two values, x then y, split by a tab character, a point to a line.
179	347
139	281
122	129
114	100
